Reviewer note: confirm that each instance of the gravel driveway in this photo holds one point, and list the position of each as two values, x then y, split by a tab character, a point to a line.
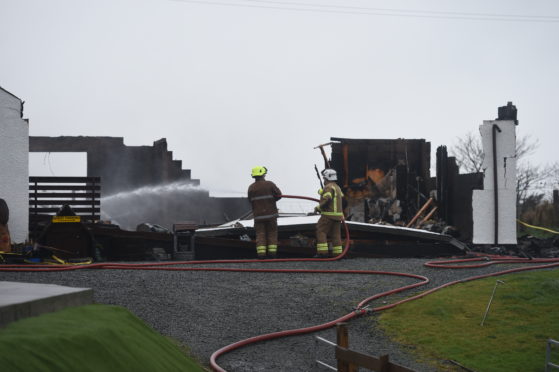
209	310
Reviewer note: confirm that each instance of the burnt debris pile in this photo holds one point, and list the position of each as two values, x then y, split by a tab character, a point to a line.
528	246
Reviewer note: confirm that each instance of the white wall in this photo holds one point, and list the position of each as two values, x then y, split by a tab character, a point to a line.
14	163
483	200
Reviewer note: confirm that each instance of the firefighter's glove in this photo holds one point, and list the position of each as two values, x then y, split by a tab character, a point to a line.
317	210
320	191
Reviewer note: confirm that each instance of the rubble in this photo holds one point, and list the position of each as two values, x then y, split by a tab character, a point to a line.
528	247
150	227
382	179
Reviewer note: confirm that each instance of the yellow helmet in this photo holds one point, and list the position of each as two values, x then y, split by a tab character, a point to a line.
259	171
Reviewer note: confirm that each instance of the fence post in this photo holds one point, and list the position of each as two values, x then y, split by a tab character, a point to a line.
342	339
93	201
384	363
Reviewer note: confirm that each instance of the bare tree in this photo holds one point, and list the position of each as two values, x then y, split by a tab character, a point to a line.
525	146
555	176
468	153
533	179
530	178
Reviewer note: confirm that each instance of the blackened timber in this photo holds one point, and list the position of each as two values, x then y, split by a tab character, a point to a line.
454	194
64	187
364	163
75	210
47	193
67	201
367	240
116	244
81	195
65	179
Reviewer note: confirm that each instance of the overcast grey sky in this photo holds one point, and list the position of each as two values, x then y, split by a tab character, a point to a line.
232	84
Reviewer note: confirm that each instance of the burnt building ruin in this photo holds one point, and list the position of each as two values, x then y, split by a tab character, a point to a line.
121	167
454	193
388	180
382	179
144	183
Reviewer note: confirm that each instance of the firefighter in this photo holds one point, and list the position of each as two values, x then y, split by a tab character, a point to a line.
263	196
331	216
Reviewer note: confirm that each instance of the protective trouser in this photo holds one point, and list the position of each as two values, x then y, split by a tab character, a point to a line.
266	236
327	227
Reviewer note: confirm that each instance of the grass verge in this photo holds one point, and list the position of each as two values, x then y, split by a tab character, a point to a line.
445	325
89	338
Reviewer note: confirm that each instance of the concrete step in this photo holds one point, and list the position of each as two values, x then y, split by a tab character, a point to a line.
22	300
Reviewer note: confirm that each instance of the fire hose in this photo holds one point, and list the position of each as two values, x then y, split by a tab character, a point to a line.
361	309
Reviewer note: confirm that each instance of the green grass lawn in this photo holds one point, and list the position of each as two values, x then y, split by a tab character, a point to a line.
445	325
89	338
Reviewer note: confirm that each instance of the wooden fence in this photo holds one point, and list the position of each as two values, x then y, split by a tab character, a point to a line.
350	361
48	194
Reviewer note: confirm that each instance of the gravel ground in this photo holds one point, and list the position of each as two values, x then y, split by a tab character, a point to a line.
209	310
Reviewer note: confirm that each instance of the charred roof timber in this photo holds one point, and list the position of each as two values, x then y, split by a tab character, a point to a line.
454	193
383	179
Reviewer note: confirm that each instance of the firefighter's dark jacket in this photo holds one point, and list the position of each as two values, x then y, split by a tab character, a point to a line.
263	196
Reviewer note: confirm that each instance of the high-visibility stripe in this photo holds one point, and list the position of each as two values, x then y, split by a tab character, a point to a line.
322	247
337	250
272	248
327	195
266	216
262	197
335	201
332	213
261	249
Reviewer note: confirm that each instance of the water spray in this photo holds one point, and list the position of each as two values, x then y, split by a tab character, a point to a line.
154	190
160	204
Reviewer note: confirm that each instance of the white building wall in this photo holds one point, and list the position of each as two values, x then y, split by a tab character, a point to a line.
483	200
14	165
